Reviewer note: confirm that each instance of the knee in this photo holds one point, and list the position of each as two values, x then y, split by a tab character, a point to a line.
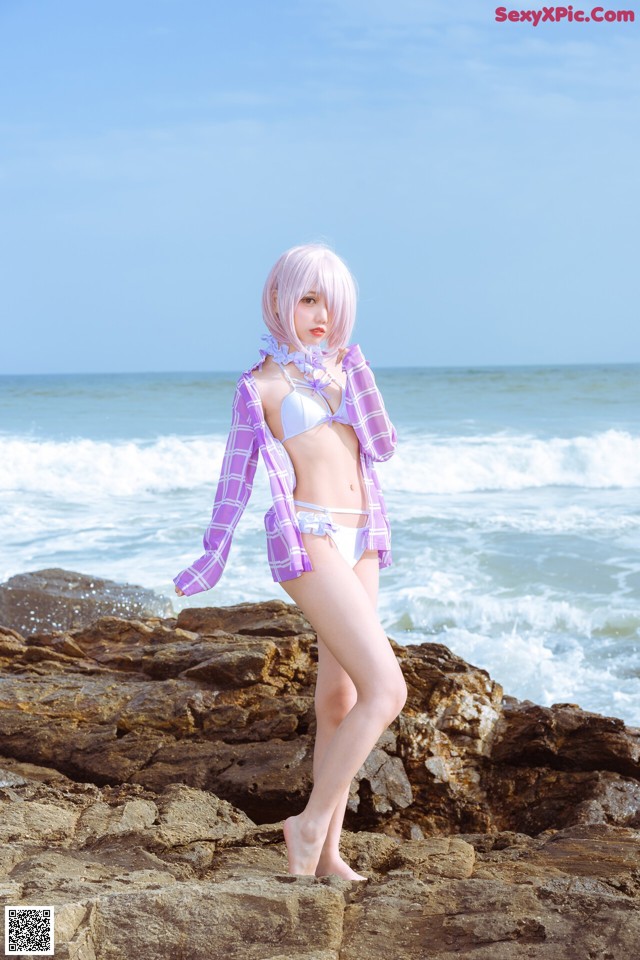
332	705
393	699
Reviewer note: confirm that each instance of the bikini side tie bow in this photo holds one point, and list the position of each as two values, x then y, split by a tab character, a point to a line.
314	523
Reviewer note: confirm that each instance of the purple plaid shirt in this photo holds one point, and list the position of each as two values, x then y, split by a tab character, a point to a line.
249	434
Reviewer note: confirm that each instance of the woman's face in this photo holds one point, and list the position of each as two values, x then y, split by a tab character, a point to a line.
311	318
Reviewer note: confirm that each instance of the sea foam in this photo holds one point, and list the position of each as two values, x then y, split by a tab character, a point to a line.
432	464
426	463
86	469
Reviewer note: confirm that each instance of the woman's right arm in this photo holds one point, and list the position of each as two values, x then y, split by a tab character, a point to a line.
232	495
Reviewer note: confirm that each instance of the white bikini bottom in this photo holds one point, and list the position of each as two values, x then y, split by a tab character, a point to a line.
350	541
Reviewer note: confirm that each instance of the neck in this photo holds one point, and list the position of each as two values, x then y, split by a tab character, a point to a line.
311	360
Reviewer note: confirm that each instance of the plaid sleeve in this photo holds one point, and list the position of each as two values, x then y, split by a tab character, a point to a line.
232	495
376	433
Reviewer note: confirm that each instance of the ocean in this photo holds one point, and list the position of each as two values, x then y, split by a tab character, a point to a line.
514	500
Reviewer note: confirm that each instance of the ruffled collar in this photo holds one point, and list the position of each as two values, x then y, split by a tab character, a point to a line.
310	361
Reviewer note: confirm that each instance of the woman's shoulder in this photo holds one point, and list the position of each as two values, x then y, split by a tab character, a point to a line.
264	370
264	378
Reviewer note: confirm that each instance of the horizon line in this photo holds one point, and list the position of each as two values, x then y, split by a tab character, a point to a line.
440	366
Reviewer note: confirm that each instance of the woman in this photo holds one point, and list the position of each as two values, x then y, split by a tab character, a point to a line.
319	421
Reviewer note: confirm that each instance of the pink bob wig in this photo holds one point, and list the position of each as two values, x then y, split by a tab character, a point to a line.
312	266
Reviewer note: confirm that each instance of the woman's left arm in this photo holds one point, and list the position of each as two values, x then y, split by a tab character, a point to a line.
369	419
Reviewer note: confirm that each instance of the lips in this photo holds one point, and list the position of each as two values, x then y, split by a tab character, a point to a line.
318	330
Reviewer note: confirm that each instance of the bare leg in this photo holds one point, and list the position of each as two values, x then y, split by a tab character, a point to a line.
335	602
335	696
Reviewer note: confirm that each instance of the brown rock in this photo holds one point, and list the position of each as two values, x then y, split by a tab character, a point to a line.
560	765
273	618
56	599
435	857
252	773
152	702
533	799
444	736
181	873
565	737
382	786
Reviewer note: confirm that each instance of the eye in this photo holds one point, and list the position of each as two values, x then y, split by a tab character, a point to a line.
308	299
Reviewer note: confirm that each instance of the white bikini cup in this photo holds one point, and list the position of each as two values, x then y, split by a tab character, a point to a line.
300	412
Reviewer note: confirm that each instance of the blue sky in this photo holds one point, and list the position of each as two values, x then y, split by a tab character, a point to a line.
156	157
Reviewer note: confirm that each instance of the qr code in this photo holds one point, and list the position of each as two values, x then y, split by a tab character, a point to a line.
28	930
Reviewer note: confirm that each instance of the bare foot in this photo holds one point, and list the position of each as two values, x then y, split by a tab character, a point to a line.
339	868
304	845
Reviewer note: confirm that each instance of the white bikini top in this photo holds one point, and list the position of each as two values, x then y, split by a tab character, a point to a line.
299	412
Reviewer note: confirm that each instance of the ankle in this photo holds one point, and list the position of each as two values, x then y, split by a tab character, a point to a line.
311	830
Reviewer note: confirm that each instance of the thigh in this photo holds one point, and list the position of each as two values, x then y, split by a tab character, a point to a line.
332	677
339	606
367	570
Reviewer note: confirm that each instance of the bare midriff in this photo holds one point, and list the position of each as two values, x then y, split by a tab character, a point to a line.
326	460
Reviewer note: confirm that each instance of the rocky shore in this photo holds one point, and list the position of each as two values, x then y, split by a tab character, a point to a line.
147	763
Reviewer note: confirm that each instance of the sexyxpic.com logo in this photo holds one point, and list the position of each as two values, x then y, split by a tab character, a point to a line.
558	14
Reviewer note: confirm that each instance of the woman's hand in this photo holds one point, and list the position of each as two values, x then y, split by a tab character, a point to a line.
179	592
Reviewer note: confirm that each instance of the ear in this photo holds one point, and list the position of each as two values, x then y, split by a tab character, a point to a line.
274	301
